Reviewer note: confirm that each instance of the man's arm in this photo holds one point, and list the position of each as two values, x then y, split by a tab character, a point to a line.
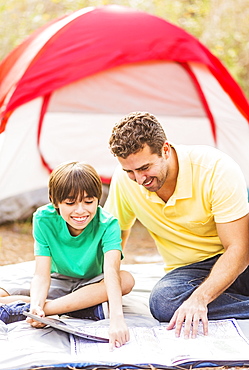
234	237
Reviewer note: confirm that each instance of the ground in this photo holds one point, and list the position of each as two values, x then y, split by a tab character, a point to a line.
16	244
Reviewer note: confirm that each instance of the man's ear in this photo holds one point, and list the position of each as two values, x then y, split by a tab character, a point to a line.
166	149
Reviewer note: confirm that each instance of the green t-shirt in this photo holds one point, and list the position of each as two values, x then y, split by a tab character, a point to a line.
79	256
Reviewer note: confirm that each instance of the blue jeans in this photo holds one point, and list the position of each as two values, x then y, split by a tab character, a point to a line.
176	286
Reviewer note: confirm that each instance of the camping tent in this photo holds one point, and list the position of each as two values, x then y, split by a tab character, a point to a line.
65	86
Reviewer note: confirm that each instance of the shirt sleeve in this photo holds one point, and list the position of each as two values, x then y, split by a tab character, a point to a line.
41	247
111	239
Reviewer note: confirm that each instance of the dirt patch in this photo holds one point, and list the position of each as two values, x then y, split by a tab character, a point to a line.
16	244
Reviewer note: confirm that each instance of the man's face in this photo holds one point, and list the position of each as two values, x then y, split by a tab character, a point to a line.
146	169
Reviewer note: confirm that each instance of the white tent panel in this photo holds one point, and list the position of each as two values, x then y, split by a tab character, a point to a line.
80	116
21	169
59	142
158	87
80	137
232	127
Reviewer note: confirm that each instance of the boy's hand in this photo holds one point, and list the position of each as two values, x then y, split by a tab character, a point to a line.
118	333
36	310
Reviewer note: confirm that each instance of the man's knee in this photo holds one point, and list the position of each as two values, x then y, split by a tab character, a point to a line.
166	297
162	303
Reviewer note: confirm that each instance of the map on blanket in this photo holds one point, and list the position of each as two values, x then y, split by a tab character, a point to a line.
159	346
59	324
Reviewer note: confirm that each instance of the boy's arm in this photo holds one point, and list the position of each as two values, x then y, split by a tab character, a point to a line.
118	332
39	287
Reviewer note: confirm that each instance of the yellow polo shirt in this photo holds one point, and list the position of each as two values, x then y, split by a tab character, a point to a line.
210	189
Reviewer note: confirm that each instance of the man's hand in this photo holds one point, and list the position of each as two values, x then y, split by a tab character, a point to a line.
191	312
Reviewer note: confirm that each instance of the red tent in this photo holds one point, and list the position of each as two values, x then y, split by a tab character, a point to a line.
109	61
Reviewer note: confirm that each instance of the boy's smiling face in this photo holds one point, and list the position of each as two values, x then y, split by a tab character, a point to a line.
78	213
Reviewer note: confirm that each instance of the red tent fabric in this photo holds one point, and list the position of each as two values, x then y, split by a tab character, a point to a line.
86	44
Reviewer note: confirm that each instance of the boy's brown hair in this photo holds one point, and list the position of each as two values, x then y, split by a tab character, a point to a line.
71	180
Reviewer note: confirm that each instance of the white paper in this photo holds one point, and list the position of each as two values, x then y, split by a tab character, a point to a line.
159	346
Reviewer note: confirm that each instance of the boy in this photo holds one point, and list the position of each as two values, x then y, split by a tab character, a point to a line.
78	253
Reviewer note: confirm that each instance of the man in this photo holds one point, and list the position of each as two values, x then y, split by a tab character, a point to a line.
193	201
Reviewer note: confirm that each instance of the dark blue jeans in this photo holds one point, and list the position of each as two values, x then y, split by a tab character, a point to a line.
176	286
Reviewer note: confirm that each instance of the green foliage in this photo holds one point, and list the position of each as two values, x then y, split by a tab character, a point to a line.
221	25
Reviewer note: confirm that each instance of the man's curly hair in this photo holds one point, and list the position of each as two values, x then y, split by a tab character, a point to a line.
135	130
